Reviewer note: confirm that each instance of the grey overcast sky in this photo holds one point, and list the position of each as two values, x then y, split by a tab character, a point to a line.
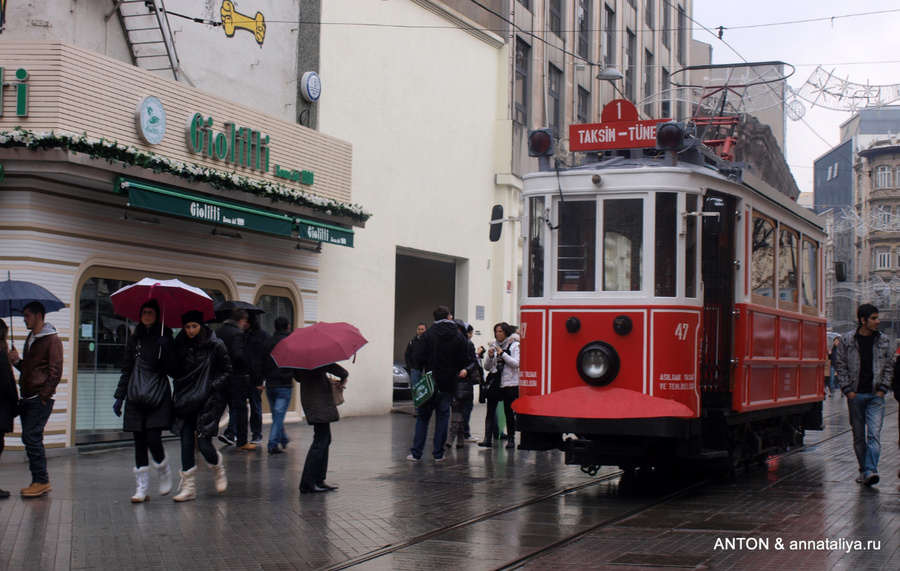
859	41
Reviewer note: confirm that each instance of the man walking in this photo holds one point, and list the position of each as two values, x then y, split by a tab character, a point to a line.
863	362
232	334
443	351
40	372
279	388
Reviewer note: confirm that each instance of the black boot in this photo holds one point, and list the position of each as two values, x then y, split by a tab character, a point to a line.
488	433
511	442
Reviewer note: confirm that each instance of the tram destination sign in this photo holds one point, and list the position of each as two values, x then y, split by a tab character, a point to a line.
619	128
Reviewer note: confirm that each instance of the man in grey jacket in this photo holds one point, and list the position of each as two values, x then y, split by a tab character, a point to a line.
863	362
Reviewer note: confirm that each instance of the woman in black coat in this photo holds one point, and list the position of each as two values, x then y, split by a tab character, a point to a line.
317	398
9	396
200	399
152	346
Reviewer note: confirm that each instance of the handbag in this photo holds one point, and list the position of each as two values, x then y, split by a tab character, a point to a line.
337	392
423	391
491	387
193	389
146	388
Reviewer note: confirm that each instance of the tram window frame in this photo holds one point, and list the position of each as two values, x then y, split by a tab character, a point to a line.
762	278
691	248
536	246
609	243
665	261
809	252
788	268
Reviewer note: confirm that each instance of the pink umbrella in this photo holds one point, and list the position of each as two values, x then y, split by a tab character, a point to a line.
175	298
318	345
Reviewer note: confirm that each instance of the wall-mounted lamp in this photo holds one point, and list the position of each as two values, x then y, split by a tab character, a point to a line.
317	249
232	235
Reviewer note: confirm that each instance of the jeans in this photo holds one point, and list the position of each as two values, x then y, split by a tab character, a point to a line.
316	466
866	417
279	402
441	407
467	409
34	415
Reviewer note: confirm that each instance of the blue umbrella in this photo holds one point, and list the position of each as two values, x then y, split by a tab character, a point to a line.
15	295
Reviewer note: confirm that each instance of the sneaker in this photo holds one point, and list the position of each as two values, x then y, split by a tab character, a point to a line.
247	447
225	439
275	451
4	494
860	479
412	458
36	490
256	440
441	459
872	479
471	439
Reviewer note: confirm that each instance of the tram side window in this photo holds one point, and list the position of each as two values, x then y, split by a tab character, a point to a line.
787	265
623	226
763	258
536	247
810	273
690	248
577	249
666	260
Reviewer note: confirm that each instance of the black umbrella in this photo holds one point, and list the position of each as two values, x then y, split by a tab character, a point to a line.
15	295
223	308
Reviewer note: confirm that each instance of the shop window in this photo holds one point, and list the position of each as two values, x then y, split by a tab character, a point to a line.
762	270
275	304
623	227
666	256
576	250
102	337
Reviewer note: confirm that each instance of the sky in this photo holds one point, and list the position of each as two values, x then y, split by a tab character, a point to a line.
859	41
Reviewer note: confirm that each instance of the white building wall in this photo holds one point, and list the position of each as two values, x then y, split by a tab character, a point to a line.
420	101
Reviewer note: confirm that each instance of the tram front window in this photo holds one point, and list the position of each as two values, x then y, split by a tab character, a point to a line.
623	227
576	253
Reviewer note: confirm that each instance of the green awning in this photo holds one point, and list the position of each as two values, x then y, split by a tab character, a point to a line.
167	200
320	232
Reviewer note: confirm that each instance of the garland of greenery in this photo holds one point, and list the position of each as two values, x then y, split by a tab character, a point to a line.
113	152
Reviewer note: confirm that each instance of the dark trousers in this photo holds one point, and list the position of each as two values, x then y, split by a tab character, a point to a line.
237	414
254	395
146	442
316	466
34	415
205	445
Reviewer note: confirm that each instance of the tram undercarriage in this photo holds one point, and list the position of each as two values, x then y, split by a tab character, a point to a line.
722	440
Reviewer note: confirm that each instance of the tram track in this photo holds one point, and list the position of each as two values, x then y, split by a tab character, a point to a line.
561	543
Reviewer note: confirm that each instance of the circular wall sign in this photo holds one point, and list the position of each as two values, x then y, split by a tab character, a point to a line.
310	86
150	120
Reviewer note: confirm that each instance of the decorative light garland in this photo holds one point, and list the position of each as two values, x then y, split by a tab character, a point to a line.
113	152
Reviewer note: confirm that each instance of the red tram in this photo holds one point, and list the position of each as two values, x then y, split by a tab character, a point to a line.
672	313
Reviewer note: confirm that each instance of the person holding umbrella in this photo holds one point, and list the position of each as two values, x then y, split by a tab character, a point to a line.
144	389
314	351
9	396
199	400
40	370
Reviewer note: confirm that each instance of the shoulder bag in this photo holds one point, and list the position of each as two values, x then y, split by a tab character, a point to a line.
193	389
146	388
424	390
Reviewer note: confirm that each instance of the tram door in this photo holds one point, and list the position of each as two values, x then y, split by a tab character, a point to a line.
717	255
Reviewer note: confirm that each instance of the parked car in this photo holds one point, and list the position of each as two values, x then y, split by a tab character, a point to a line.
402	389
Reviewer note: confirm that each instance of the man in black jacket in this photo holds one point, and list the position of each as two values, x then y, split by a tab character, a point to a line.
443	352
232	334
411	348
279	388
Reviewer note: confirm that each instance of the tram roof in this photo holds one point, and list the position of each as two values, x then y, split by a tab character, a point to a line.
730	173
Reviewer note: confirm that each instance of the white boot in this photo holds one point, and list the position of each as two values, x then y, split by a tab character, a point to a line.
187	490
142	480
165	476
218	471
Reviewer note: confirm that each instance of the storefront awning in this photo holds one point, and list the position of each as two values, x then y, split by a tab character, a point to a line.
309	230
177	202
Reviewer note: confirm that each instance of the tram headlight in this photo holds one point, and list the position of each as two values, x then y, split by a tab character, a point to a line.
598	363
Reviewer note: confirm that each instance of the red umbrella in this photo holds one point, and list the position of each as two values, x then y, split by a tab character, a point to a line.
318	345
175	298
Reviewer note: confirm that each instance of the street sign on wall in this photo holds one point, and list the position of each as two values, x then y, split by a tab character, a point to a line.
619	128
